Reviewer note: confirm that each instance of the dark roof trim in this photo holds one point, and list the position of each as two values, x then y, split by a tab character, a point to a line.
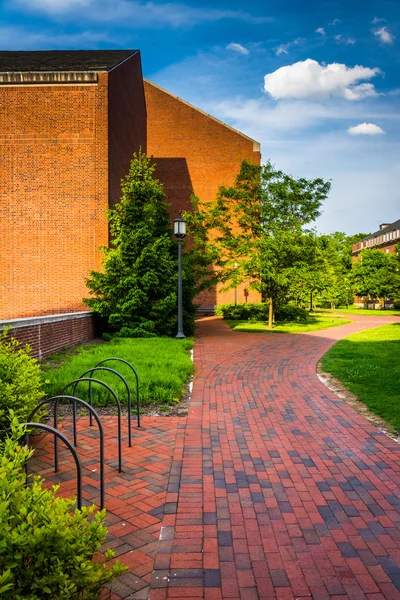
391	227
62	60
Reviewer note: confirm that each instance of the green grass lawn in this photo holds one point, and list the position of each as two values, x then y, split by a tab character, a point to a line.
369	312
368	364
314	323
163	364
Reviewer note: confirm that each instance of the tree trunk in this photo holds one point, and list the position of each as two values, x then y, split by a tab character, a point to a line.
270	314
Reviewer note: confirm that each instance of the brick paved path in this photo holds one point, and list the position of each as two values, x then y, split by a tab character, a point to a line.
278	489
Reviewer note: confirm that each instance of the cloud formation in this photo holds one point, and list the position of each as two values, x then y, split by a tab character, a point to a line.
320	30
310	79
133	13
341	39
238	48
384	35
365	129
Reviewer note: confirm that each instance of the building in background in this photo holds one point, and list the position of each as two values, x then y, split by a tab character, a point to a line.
70	122
386	239
195	153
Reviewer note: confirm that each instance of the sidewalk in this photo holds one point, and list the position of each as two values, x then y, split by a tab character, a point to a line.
282	490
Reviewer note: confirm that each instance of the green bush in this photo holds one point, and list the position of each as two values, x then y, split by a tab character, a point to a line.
20	380
243	312
46	551
258	311
290	312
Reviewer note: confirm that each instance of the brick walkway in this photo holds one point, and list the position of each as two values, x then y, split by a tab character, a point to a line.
272	488
284	490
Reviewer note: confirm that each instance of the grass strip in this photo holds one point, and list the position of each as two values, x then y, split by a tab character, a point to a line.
163	365
368	364
313	323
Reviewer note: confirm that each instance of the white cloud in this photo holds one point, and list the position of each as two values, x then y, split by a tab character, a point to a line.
238	48
320	30
384	35
376	20
335	22
309	79
57	6
17	38
348	41
132	13
284	48
365	129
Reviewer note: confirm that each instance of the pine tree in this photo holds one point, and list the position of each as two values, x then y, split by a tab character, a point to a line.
137	292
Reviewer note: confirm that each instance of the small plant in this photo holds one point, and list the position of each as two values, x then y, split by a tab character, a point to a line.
46	551
21	384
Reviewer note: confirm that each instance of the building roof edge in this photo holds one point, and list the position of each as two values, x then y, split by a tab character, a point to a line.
256	145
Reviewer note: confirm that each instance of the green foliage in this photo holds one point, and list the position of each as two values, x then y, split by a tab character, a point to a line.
46	551
259	311
365	363
254	231
290	312
137	292
376	274
251	310
21	385
163	364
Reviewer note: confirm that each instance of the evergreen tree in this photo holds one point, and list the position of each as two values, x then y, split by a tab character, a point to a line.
137	292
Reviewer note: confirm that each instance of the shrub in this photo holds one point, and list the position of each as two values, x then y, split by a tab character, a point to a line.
290	312
46	551
20	380
243	312
258	311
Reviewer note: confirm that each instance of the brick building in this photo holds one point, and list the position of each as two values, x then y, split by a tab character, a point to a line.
386	239
195	153
70	122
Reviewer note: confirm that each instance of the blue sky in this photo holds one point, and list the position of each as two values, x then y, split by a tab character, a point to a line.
316	82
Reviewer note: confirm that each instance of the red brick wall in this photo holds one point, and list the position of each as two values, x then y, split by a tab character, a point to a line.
126	121
194	154
53	195
48	338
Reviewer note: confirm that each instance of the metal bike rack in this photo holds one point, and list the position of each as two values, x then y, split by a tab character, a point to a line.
70	447
114	395
128	392
125	362
91	410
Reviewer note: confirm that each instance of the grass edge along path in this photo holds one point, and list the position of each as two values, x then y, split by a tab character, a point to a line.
368	312
314	323
366	364
164	366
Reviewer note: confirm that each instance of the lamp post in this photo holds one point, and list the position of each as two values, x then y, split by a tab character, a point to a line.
236	264
180	233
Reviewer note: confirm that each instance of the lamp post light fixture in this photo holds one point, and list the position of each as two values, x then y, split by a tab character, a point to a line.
236	264
180	233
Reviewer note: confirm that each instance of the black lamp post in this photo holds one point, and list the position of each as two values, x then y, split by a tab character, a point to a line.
236	264
180	233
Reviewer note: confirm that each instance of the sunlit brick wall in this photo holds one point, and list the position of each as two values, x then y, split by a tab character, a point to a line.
194	153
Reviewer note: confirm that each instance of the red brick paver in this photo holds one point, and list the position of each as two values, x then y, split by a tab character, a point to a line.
273	488
283	491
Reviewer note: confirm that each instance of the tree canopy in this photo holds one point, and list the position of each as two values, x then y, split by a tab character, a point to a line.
137	291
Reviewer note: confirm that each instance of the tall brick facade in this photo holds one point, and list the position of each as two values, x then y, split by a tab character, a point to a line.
70	122
195	154
64	149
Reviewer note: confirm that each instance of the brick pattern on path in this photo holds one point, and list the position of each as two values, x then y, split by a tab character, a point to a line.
283	491
135	499
272	488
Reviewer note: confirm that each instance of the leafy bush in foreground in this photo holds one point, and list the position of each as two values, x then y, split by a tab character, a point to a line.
46	551
20	380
